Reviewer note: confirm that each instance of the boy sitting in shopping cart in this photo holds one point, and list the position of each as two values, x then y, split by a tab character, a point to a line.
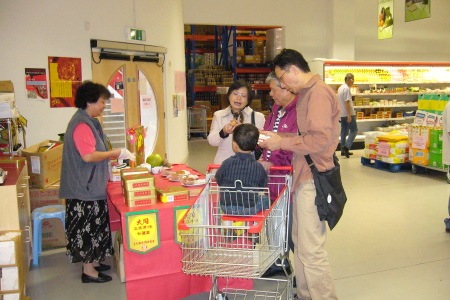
241	178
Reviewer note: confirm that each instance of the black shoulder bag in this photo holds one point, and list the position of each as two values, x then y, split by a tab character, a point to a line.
330	195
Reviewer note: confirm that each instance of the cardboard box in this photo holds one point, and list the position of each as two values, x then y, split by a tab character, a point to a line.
13	296
7	101
9	278
137	182
10	247
118	261
419	156
46	196
6	86
173	193
53	234
140	197
133	171
44	165
114	172
150	200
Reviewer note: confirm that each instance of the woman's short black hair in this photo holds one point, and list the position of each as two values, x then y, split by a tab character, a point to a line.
90	92
237	85
246	136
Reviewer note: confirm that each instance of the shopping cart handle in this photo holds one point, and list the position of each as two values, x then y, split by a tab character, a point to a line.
282	168
212	167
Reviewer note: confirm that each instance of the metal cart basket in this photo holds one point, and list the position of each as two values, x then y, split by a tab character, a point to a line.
197	122
238	246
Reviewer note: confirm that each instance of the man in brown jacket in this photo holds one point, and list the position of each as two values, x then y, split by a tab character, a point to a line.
318	117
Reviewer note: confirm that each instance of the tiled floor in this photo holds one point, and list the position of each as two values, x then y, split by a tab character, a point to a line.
390	244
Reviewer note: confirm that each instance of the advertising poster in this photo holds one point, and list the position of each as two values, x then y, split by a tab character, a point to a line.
143	231
417	9
36	83
65	78
385	19
179	212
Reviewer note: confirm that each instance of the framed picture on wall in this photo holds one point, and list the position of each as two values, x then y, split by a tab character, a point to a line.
417	9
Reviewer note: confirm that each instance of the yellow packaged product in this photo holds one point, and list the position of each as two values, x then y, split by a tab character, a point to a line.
173	193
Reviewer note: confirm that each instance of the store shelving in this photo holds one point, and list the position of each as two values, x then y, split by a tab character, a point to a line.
238	50
387	81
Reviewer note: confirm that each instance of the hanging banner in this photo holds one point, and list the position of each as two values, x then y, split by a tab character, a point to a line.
178	213
385	19
135	143
195	215
65	77
143	231
36	83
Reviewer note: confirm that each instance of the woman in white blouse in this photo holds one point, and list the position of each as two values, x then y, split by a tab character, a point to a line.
224	121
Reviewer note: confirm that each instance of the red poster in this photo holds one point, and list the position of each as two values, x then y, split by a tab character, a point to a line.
36	83
65	78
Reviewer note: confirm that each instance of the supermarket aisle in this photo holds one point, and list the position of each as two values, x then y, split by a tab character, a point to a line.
390	244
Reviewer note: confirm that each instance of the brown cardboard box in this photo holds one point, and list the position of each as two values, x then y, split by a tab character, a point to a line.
118	261
6	86
44	167
46	196
53	234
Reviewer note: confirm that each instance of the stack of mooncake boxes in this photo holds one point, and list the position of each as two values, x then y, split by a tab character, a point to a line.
138	187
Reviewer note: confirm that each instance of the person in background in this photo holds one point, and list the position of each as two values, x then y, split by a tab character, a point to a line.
446	152
224	121
318	124
283	119
84	175
243	167
348	116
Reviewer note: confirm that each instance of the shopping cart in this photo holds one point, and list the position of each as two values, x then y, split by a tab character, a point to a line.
230	246
197	122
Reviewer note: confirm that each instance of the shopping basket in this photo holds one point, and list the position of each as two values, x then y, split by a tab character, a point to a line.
231	246
197	122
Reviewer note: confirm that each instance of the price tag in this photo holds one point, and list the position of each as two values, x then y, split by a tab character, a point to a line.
420	142
384	149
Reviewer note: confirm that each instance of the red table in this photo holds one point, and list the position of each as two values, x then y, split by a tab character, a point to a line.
156	274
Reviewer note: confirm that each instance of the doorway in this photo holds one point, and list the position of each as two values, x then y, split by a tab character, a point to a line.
137	99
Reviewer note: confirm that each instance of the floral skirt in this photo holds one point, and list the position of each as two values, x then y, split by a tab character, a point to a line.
87	231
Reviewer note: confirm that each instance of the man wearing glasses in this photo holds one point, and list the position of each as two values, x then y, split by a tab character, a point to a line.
318	116
348	116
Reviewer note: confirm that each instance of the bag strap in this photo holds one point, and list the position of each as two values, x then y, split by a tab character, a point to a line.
310	162
253	117
312	165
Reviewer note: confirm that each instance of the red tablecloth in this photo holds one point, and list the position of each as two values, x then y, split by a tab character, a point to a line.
157	274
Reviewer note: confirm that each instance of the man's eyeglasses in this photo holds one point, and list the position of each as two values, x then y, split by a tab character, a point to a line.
280	78
239	94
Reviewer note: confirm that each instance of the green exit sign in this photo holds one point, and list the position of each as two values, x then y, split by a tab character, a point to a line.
135	34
